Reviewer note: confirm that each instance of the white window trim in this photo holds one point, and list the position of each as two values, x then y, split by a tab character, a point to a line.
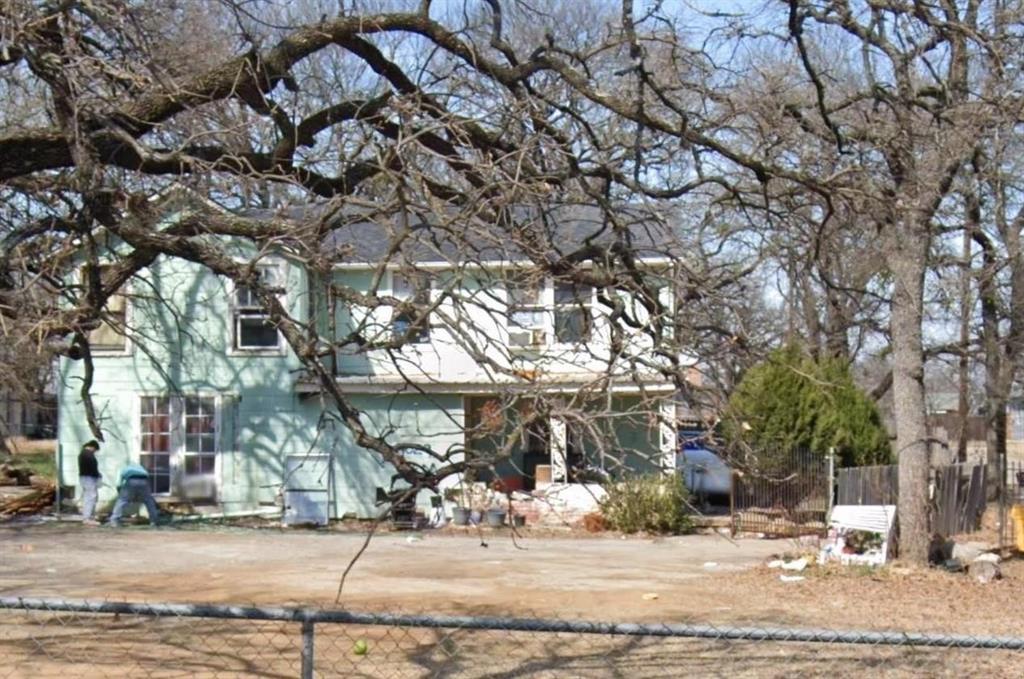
128	350
177	433
217	408
547	308
137	451
282	347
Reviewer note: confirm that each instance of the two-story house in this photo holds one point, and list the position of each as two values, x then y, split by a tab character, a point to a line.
194	382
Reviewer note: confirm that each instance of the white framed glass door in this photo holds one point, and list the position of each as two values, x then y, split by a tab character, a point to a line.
155	445
178	444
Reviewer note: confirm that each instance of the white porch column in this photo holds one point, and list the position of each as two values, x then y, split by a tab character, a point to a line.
559	471
668	435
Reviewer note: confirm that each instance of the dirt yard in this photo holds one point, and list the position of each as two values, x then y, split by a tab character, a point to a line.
699	578
568	577
696	579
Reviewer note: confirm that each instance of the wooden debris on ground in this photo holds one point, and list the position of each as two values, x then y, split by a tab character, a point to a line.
32	503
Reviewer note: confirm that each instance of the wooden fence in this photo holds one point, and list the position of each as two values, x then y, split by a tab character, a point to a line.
793	499
878	485
958	500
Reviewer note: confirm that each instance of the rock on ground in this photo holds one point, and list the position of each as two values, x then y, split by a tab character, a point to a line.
968	551
984	571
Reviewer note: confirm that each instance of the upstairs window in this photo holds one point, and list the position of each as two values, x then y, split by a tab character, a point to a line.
110	336
413	324
527	311
253	329
573	313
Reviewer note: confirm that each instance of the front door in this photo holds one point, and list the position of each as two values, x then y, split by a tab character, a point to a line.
198	453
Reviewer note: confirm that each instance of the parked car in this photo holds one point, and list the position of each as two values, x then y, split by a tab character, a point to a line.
705	474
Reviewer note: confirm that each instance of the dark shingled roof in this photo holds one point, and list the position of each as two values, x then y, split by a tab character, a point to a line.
359	236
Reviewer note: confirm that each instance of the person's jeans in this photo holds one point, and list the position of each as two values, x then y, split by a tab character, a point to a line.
134	490
90	489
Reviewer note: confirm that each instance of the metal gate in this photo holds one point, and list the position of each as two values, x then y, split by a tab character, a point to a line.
788	494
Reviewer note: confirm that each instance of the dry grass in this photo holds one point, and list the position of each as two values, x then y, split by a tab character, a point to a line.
595	579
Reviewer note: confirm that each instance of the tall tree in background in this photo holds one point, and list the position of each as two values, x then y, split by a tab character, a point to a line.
901	111
995	219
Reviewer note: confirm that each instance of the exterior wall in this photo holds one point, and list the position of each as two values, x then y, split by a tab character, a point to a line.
182	325
427	420
478	304
181	318
267	430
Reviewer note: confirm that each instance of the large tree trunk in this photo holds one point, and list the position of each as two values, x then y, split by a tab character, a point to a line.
907	255
996	396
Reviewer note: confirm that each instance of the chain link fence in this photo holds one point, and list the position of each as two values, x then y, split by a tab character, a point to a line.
60	638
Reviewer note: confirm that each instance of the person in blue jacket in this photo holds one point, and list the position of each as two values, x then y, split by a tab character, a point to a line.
133	486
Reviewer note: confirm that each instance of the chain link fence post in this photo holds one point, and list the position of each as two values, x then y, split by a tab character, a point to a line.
307	649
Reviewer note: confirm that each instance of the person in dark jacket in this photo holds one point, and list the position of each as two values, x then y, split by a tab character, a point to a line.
89	479
132	487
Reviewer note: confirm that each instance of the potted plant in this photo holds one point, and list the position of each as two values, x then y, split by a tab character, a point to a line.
460	512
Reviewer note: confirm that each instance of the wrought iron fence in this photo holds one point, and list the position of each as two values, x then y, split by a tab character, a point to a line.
784	493
46	637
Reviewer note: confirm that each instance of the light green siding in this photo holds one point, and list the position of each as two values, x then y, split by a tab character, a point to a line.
181	316
426	420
